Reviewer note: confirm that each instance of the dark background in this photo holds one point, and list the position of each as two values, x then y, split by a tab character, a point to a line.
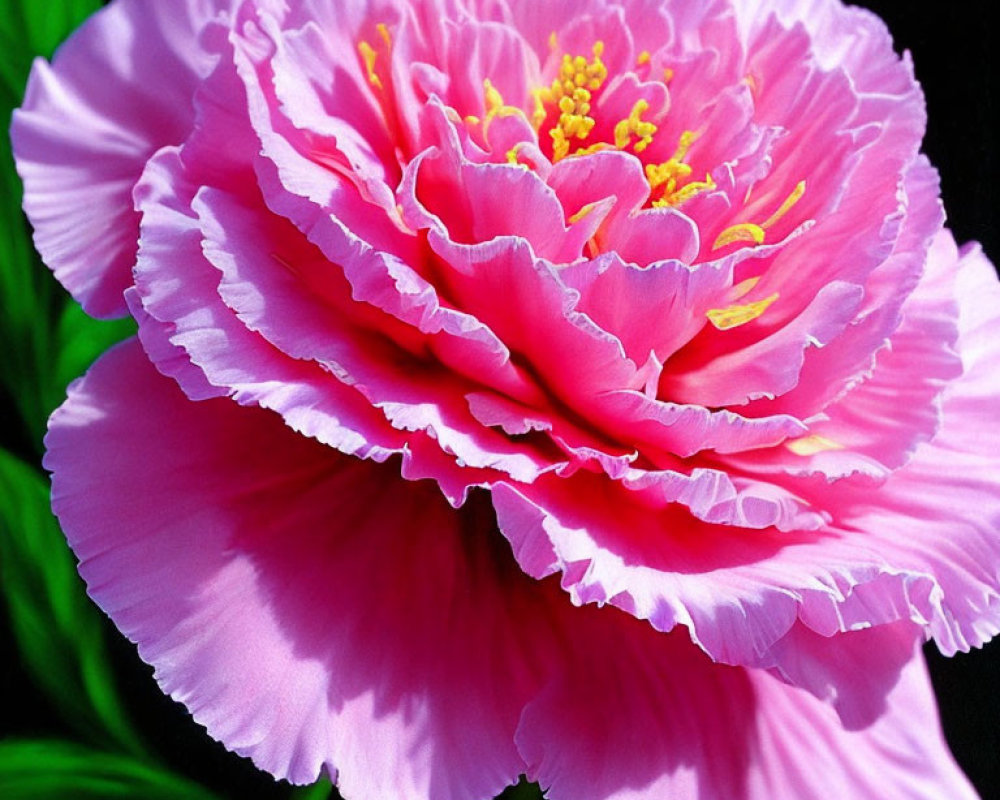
952	49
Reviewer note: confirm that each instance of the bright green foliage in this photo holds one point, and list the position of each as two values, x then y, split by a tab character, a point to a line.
56	627
48	769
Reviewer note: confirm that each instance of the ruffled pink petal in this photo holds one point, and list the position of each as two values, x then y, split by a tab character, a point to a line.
346	228
313	611
877	424
828	372
719	373
117	91
653	310
179	288
416	394
313	363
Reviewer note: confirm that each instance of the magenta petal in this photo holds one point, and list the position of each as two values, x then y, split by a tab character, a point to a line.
116	92
382	648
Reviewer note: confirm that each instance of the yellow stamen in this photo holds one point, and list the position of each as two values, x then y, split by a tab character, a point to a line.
672	172
736	315
813	444
512	156
553	41
383	31
582	213
791	200
494	100
495	106
635	125
643	58
593	148
571	93
368	55
743	232
668	75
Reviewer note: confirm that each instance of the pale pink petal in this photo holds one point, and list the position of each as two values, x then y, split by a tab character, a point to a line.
118	90
662	721
801	750
313	611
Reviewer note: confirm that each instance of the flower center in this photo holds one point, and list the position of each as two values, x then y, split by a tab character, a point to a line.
568	105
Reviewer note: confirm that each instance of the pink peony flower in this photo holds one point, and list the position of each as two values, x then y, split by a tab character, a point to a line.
586	390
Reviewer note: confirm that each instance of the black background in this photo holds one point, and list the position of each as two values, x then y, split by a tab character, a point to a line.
952	49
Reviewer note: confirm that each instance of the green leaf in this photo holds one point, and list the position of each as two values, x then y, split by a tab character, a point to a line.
57	629
29	28
50	768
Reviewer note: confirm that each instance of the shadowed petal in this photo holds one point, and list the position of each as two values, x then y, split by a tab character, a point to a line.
311	610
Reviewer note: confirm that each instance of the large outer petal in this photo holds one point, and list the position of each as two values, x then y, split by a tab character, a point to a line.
116	92
410	656
312	610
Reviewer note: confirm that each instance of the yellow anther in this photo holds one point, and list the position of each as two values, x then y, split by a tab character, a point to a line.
383	31
494	100
668	75
736	315
643	58
791	200
368	55
635	125
594	148
686	192
812	444
670	174
571	93
539	113
495	106
512	156
743	232
553	41
660	174
560	144
582	213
